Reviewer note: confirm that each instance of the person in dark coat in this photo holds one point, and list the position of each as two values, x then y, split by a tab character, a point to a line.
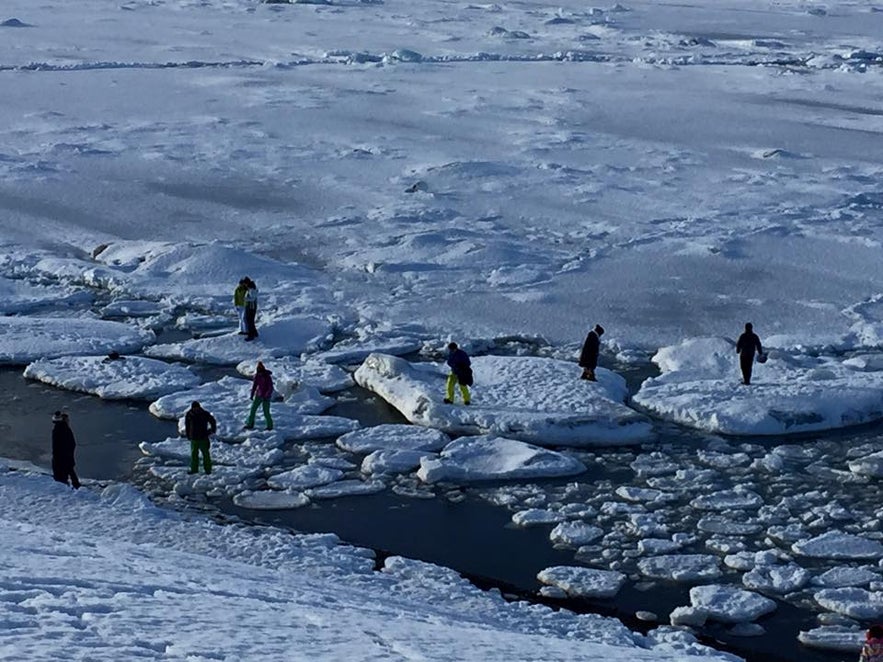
461	373
251	309
588	358
746	346
63	446
198	426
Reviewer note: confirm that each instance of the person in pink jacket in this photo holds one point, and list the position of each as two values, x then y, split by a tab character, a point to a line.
873	648
261	394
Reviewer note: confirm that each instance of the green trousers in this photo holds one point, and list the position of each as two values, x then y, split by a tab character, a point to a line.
265	402
197	445
464	390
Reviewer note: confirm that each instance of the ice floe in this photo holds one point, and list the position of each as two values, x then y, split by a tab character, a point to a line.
303	477
228	400
575	534
495	458
125	377
257	452
779	579
833	637
839	545
20	297
282	337
393	461
844	576
345	488
681	567
536	517
728	604
26	339
532	399
581	582
271	500
700	387
852	601
394	438
291	373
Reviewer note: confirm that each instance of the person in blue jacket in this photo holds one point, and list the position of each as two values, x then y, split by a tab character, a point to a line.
461	372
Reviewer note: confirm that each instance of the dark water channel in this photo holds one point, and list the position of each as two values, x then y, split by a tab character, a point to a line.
459	528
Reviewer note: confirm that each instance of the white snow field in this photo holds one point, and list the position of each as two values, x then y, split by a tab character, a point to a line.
396	174
133	377
700	386
532	399
106	575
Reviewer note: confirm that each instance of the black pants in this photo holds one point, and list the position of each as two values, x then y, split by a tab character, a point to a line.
251	314
64	473
746	362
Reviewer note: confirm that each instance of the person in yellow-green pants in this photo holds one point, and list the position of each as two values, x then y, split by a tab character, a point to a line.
461	373
199	425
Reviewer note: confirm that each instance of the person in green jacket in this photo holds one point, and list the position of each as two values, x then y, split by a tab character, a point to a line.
239	304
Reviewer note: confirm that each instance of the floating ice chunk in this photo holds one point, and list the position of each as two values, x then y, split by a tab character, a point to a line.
557	409
18	297
657	546
833	637
343	488
870	465
357	351
582	582
271	500
791	393
228	400
647	524
653	464
536	517
303	477
779	579
393	437
575	533
689	616
852	601
290	373
638	494
749	560
746	630
222	479
254	452
725	526
393	461
133	308
728	604
27	339
839	545
283	337
495	458
843	576
681	567
728	500
131	377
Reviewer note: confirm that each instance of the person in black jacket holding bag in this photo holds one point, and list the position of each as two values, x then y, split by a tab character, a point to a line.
588	358
747	344
63	445
461	372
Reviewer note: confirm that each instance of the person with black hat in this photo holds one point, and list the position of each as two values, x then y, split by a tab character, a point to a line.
198	426
63	445
588	358
747	344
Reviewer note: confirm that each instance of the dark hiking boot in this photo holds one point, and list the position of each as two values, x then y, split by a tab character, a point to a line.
448	402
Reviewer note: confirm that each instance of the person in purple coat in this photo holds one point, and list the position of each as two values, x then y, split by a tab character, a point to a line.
261	394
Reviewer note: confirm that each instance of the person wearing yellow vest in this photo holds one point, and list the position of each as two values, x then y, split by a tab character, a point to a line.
239	304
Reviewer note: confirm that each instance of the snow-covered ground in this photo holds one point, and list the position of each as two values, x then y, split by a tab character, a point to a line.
104	574
395	174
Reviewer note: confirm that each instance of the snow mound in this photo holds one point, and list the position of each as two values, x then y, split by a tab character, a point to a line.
132	377
495	458
583	582
701	387
282	337
527	398
27	339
